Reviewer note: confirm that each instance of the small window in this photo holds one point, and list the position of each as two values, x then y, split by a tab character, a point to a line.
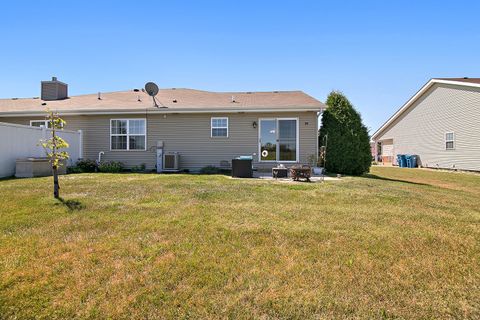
39	123
219	127
128	134
449	141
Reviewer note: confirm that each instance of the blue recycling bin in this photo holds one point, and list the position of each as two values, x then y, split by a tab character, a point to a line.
401	160
414	161
411	160
408	160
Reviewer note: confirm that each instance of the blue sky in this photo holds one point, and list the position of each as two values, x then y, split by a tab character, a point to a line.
379	53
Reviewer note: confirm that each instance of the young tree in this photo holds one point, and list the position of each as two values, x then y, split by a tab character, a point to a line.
53	147
348	141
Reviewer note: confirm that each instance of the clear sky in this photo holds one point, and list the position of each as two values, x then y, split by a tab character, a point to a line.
379	53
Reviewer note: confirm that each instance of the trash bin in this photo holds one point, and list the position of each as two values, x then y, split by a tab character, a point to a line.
411	160
414	161
404	160
401	160
242	167
408	159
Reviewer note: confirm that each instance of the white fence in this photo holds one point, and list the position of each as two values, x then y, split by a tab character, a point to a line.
18	141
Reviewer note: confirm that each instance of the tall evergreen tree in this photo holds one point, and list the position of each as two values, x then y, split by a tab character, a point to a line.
348	149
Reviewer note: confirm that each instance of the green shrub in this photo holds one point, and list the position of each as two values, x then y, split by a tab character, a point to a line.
74	169
140	168
110	166
86	165
348	147
209	170
214	170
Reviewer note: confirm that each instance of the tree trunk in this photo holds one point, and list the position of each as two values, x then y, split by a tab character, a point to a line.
56	186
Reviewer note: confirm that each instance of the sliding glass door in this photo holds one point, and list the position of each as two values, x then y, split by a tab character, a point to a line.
287	139
268	140
278	139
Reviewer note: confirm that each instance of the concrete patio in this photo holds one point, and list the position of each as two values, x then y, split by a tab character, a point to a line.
313	179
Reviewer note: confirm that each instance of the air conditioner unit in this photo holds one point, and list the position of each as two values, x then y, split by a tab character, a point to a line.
171	161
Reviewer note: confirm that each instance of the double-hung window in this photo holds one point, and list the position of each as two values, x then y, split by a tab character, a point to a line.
219	127
39	123
449	141
128	134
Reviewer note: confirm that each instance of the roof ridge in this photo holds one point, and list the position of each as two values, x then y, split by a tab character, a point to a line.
161	89
419	93
224	92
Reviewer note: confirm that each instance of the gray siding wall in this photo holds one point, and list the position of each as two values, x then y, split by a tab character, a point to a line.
421	130
188	134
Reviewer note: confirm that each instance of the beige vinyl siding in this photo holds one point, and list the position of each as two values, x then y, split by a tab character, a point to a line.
189	134
421	129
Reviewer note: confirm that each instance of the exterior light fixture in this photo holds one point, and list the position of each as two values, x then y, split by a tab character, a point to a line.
254	124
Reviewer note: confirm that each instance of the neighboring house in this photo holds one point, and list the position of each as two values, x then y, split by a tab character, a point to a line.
204	128
440	124
373	150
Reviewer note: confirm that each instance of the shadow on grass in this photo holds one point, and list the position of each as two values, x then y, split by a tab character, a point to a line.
72	205
19	179
7	178
373	176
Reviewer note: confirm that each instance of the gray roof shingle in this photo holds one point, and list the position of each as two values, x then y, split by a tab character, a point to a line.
174	99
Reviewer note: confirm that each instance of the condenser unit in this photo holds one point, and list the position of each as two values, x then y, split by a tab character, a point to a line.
171	161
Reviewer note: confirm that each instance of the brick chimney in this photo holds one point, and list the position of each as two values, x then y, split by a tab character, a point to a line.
54	90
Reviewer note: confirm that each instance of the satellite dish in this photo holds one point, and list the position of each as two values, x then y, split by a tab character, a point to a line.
152	90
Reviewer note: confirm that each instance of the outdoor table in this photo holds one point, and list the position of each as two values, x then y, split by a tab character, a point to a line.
279	172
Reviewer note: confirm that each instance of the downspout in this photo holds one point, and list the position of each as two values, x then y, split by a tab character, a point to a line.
100	157
318	132
97	162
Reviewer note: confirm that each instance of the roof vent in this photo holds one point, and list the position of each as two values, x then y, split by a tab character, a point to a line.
44	103
135	90
99	96
174	100
465	77
138	98
53	90
14	98
233	99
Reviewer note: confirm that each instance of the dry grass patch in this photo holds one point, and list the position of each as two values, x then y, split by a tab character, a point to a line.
393	244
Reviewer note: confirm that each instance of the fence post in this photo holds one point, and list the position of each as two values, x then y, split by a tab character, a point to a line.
44	132
44	138
80	144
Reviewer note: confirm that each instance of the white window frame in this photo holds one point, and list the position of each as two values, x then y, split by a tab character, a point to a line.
128	134
452	140
297	153
45	123
212	127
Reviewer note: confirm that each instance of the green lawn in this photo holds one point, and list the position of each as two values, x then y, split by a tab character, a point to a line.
399	243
